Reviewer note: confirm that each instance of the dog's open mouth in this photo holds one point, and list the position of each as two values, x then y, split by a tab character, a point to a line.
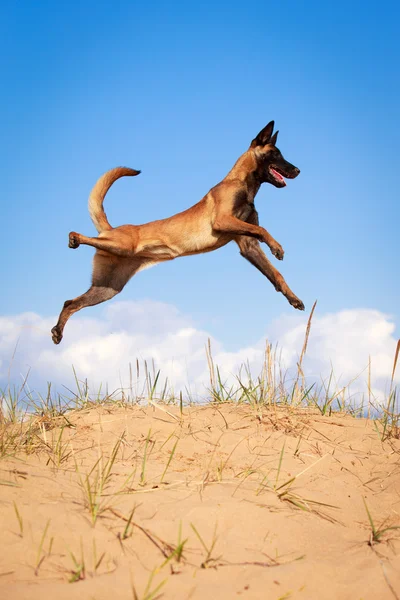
277	176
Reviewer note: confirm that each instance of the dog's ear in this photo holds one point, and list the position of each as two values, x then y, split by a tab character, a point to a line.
264	136
272	141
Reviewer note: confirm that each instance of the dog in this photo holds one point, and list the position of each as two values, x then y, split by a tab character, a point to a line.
226	213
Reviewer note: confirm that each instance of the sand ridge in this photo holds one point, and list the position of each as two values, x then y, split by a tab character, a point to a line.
221	500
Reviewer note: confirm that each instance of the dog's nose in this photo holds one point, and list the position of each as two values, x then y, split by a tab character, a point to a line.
296	171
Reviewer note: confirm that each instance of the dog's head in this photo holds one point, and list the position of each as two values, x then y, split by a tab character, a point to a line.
272	167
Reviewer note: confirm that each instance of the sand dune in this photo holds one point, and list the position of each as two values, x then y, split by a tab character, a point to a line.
220	501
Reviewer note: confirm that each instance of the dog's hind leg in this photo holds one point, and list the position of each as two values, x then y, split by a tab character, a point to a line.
121	246
94	295
110	275
251	250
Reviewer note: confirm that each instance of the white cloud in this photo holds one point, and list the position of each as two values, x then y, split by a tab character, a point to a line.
102	348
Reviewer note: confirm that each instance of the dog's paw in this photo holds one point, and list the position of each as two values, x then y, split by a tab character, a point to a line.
56	335
73	240
277	251
296	303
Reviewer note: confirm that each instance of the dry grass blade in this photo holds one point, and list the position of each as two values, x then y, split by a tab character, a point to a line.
308	328
9	483
146	452
290	481
128	524
40	558
96	561
210	364
396	356
279	467
300	372
151	537
20	520
171	456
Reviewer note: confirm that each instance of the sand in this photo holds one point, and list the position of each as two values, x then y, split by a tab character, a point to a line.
225	501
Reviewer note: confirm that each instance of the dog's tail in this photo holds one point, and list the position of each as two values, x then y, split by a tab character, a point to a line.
98	193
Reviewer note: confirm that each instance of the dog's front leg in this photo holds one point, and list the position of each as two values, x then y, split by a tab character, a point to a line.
230	224
251	250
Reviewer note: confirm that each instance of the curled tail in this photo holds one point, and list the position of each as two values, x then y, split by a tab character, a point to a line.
98	193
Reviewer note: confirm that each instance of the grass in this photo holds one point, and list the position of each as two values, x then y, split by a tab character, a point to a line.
209	560
180	546
284	490
95	483
170	458
388	424
149	444
128	530
40	556
58	450
20	520
78	572
379	533
97	560
271	388
149	593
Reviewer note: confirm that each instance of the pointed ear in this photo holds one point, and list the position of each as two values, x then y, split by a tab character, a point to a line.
272	141
264	135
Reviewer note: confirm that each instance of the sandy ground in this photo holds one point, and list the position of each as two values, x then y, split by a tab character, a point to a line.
224	502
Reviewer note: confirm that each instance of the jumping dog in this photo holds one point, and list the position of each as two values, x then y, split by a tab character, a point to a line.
226	213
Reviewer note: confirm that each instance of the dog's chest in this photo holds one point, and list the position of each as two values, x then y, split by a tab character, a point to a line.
243	211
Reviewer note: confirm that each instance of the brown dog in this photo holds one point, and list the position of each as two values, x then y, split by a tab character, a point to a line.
226	213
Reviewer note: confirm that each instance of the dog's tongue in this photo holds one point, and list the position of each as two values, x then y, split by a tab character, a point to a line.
277	175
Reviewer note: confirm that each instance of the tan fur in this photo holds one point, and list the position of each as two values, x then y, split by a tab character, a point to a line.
99	192
226	213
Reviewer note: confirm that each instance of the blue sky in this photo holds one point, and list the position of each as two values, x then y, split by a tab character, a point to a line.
178	90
